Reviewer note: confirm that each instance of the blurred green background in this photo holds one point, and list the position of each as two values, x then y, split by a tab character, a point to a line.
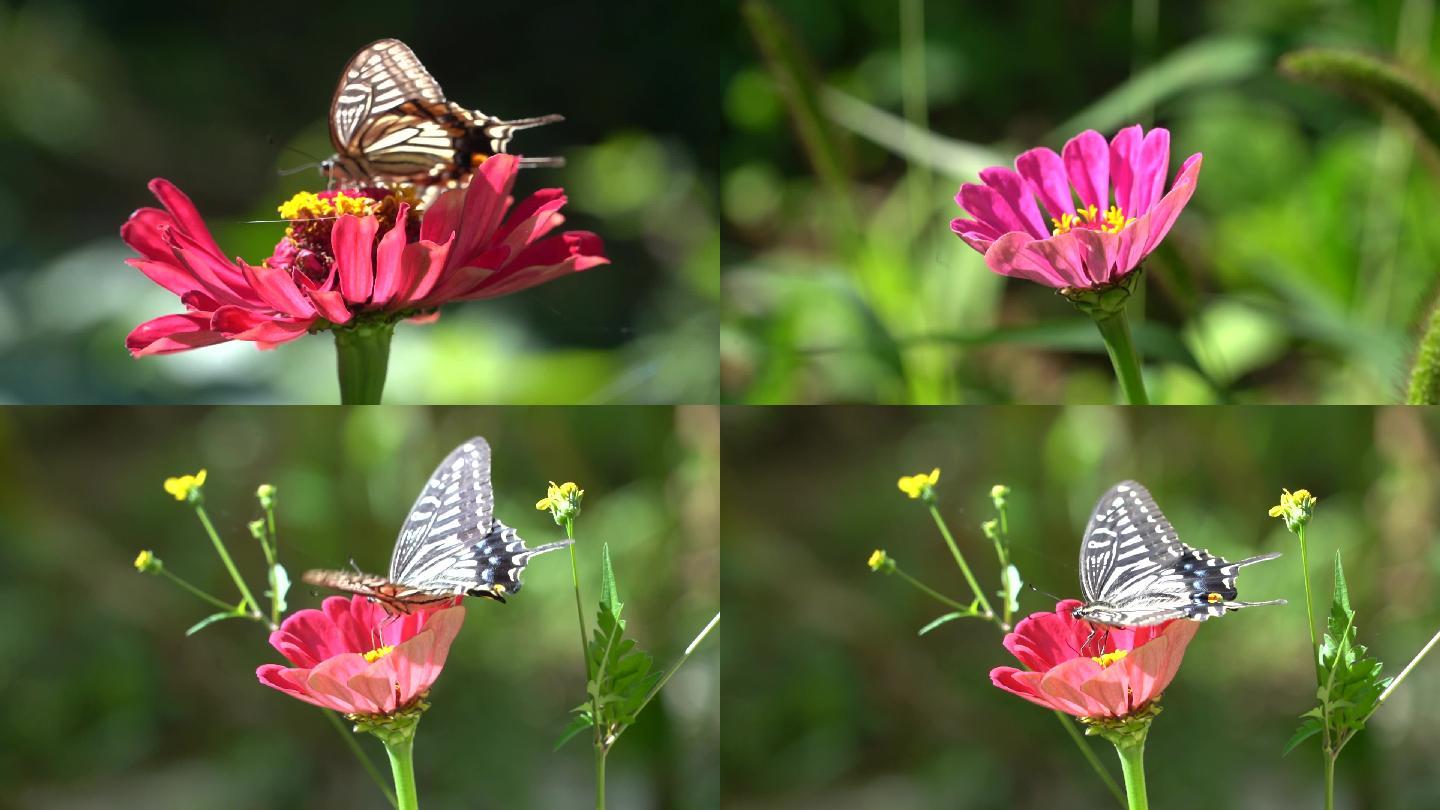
109	704
102	97
831	700
1297	273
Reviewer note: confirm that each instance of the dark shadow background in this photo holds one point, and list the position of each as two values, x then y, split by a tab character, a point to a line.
832	701
217	97
109	704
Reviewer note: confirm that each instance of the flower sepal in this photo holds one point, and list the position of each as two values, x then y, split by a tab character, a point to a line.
392	729
1123	732
1104	301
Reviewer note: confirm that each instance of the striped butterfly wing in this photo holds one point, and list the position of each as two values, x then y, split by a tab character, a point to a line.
1134	571
383	76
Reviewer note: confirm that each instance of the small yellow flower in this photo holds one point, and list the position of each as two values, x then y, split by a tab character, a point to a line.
880	561
147	563
1295	507
562	501
999	491
266	494
185	487
920	485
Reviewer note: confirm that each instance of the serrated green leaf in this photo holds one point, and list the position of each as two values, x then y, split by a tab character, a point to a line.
211	619
1307	729
948	617
609	595
577	724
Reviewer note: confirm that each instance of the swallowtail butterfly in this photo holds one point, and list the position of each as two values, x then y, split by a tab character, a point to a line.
450	544
391	123
1135	572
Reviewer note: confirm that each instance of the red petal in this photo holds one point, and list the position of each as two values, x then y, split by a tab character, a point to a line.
172	333
353	243
388	276
278	290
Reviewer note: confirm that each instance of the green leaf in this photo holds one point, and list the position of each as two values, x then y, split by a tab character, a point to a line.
279	585
948	617
1378	81
621	673
608	593
1350	680
211	619
1013	584
581	721
1307	729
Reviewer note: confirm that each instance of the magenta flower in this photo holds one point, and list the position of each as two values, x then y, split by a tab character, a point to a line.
353	657
1092	671
351	257
1095	243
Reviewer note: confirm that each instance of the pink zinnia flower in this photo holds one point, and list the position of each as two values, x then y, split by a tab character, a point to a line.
1118	671
1094	244
368	254
353	657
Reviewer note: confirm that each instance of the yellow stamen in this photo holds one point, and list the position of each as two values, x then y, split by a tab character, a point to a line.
1111	657
1113	220
378	653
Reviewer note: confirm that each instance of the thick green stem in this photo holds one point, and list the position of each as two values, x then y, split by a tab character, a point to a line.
600	754
1115	330
402	768
1329	781
1309	602
960	560
363	352
1132	765
1425	376
349	738
1090	757
254	606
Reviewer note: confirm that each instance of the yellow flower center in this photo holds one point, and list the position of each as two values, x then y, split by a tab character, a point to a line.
1111	657
915	485
1113	220
378	653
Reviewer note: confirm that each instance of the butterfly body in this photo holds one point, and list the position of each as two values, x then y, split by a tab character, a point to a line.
1135	572
450	544
391	123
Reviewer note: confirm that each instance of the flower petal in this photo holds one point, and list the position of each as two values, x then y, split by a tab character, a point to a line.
168	334
237	323
1045	173
1017	195
988	206
1150	167
331	305
1087	163
388	275
187	218
1024	684
1062	685
173	277
1124	154
352	240
277	288
421	266
485	202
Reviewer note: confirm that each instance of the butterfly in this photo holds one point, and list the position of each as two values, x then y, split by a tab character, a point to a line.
391	123
450	545
1135	572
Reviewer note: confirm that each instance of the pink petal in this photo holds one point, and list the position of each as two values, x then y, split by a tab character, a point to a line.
1014	254
976	234
532	218
353	242
421	266
1111	689
276	288
388	275
186	217
173	277
331	305
1018	198
1087	163
442	217
571	252
1045	173
1062	685
988	206
1124	154
485	202
331	680
1150	167
142	233
172	333
1024	684
292	682
237	323
220	278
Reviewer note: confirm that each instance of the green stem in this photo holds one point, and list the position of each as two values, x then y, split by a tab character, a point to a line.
1329	782
402	768
1132	765
269	545
960	560
1090	756
1425	375
1002	550
933	593
579	609
229	563
363	353
1309	602
600	754
1115	331
196	591
1429	645
349	738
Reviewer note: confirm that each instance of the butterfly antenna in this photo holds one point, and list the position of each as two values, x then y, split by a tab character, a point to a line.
1258	559
530	123
538	550
1032	587
296	170
542	162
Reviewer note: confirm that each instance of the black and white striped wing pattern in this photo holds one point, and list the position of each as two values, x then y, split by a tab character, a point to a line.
383	76
450	544
1134	571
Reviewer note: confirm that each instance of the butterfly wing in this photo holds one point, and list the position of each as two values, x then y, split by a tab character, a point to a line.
454	511
380	77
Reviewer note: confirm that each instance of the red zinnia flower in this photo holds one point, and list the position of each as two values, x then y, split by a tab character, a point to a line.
353	657
1118	671
1086	246
366	254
